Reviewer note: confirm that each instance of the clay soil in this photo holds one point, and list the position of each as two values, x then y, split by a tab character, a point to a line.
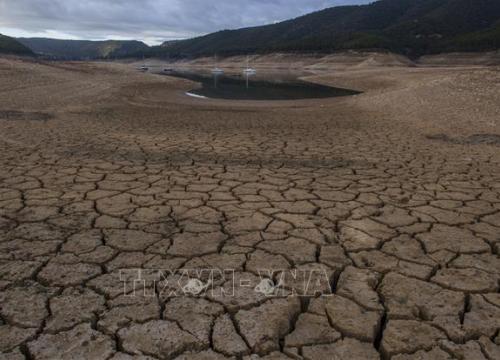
388	201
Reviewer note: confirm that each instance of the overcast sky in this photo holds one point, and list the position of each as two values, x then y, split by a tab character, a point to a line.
152	21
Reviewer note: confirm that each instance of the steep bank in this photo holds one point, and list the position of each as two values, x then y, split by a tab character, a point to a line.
334	61
295	61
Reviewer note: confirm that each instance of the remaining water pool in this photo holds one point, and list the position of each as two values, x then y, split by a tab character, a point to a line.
260	86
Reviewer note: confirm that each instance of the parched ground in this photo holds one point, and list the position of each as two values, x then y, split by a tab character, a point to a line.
375	218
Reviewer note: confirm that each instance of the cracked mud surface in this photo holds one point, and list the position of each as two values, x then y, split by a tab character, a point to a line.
125	173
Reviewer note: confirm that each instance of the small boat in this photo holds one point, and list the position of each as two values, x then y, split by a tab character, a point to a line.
143	67
249	70
217	70
168	69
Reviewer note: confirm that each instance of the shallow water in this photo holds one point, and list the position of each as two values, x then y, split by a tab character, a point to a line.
261	86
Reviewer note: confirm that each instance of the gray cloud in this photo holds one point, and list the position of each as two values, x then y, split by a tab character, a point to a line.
150	20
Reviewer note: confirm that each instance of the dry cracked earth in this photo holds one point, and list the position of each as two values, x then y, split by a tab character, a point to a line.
106	175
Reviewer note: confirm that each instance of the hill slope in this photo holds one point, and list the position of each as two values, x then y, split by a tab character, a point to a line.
9	45
83	49
412	27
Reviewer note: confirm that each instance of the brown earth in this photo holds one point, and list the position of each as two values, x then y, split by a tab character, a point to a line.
389	201
299	61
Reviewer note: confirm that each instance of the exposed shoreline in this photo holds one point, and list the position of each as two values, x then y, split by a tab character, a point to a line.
340	59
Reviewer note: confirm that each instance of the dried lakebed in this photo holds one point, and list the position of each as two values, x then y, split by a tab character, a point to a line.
398	232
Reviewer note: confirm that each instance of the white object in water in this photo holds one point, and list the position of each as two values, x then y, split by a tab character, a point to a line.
196	96
249	70
217	71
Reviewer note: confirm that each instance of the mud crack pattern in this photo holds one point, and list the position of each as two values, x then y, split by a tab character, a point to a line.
406	229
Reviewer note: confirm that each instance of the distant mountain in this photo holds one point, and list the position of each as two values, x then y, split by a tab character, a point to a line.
11	46
84	49
411	27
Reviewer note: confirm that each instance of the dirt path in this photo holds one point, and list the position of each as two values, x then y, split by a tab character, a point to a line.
138	223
